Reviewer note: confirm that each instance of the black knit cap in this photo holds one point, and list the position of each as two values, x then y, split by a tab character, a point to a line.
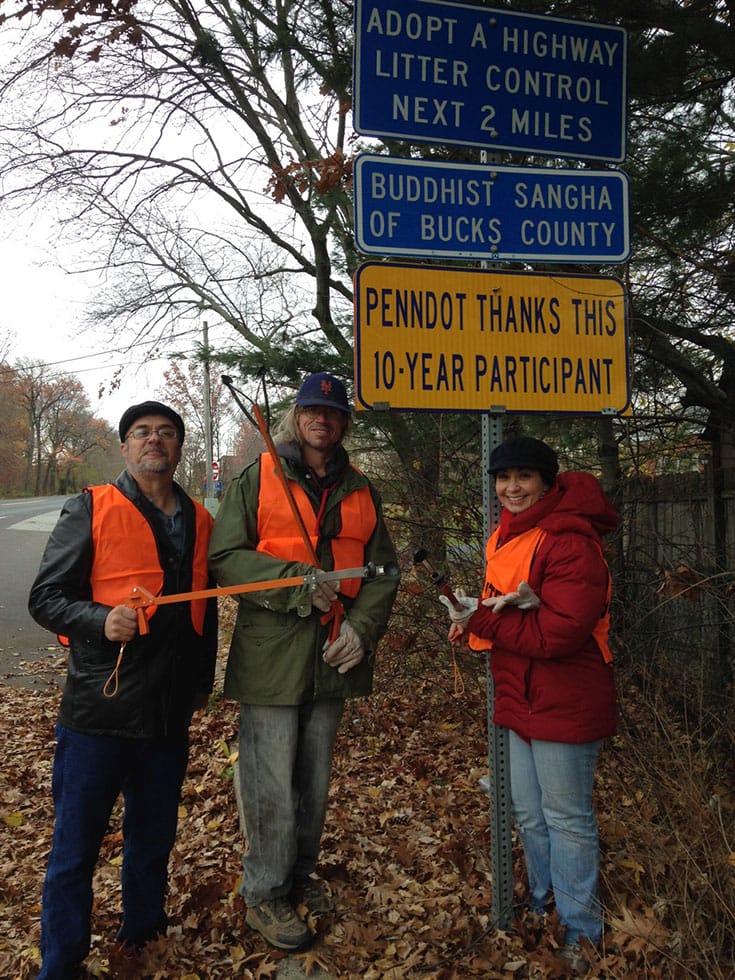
525	452
135	412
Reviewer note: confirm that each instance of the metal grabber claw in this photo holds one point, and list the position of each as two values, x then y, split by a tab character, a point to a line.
421	557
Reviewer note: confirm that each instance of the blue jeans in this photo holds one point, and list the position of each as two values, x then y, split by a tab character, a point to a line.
285	763
89	772
551	787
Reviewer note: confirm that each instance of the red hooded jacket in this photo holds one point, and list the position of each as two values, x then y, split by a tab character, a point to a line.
550	679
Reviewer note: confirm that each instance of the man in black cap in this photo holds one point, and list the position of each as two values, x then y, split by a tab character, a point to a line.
294	658
131	687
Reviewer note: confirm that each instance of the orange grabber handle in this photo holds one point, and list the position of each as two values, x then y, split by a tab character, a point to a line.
143	626
140	599
335	618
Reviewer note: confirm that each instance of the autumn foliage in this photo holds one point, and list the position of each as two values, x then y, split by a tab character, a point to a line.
90	23
331	173
407	849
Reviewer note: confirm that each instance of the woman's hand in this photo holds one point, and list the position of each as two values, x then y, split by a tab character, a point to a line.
460	617
524	598
456	634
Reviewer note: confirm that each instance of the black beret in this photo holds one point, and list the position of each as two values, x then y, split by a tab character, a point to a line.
525	452
135	412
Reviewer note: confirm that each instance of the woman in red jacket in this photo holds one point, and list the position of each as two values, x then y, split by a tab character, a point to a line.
544	615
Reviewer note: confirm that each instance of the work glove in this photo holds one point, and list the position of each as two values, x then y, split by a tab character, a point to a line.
346	651
469	606
524	598
323	595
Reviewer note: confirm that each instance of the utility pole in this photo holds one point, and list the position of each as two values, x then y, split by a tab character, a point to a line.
210	501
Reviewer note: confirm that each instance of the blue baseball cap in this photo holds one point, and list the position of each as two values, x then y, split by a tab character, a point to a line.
323	389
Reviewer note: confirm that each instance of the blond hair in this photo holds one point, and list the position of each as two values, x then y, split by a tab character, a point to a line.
287	429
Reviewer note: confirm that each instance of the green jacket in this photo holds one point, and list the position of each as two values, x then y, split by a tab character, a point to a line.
276	650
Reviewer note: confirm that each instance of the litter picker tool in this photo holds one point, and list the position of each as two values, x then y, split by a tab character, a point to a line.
421	557
141	599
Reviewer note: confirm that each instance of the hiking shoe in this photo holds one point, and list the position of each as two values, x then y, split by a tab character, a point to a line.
277	922
312	893
578	962
536	920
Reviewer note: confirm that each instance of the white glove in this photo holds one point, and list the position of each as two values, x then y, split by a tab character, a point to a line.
323	595
523	598
347	650
460	617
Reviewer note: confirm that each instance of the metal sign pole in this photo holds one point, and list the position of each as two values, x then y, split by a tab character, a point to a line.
501	848
498	787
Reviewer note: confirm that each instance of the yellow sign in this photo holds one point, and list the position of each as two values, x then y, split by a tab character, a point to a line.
437	338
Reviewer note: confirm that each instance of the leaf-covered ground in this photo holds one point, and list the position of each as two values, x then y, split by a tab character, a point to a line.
406	850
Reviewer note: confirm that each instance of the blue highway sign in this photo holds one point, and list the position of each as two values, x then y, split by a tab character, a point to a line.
443	72
445	210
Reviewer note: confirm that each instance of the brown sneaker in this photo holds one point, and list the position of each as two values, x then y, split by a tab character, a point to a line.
277	922
312	893
578	963
536	920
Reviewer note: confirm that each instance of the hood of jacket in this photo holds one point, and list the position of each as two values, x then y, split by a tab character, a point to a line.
576	503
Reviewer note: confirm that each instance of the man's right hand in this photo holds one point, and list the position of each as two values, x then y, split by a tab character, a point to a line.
324	595
121	624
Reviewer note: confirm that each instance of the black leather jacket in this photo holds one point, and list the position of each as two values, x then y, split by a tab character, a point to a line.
161	673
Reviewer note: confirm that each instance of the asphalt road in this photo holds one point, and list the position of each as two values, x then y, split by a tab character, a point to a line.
24	528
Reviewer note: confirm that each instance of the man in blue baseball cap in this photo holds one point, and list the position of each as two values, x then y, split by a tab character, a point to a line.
289	666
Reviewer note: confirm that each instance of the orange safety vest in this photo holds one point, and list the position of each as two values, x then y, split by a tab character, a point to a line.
280	536
510	564
125	553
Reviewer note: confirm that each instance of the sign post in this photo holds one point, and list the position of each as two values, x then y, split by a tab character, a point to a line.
429	338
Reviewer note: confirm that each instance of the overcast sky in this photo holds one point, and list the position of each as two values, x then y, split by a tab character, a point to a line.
43	307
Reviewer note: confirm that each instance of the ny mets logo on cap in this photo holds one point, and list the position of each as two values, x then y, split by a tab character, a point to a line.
323	389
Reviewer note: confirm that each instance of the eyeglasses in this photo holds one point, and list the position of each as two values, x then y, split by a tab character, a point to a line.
146	431
314	411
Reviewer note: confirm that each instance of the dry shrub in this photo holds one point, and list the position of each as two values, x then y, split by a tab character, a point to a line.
669	829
